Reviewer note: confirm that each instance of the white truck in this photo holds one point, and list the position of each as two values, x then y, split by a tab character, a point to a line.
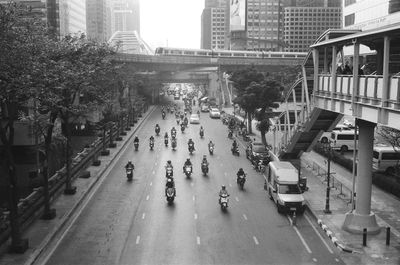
282	184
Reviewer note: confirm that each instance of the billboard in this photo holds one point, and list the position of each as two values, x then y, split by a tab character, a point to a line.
237	10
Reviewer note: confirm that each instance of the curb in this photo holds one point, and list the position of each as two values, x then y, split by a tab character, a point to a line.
333	238
46	241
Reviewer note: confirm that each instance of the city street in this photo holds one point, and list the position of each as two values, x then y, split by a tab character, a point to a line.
131	222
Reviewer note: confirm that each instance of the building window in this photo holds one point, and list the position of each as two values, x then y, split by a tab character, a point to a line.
349	2
349	20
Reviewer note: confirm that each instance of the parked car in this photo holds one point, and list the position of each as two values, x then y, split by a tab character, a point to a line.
385	158
214	113
257	151
204	108
194	118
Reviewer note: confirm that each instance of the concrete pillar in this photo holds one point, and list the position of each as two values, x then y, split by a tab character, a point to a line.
213	86
362	217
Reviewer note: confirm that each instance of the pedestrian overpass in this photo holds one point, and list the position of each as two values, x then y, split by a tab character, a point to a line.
322	96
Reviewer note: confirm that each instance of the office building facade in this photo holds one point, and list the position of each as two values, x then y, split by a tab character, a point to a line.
369	14
98	19
125	15
303	25
213	28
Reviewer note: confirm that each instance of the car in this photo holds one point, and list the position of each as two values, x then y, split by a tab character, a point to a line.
339	128
204	108
256	151
214	113
177	96
194	118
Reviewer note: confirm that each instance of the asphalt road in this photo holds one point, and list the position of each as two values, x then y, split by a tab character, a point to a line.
131	222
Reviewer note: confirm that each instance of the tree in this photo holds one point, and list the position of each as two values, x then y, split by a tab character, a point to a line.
256	92
391	136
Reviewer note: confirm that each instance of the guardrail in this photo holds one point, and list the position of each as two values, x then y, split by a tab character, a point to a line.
343	192
30	207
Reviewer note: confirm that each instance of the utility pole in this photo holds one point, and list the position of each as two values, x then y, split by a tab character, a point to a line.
328	149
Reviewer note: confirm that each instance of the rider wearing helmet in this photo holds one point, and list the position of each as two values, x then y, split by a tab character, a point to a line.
136	140
240	172
223	191
210	144
187	163
129	165
169	165
204	161
190	142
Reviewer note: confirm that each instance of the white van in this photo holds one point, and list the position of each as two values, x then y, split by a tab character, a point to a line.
339	128
282	181
343	140
385	158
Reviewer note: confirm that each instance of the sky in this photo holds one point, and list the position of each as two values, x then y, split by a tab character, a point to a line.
172	23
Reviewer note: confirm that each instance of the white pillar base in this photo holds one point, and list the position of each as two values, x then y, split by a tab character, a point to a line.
355	223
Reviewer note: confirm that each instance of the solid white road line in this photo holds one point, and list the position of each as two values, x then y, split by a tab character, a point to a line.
143	215
302	239
192	184
137	240
151	183
255	240
245	217
319	235
195	216
147	198
198	240
194	198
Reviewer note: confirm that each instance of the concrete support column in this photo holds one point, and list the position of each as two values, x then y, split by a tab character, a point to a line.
213	86
333	76
362	217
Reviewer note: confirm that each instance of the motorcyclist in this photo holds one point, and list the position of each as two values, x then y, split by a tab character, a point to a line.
167	166
185	120
191	143
170	184
240	172
223	193
187	163
157	129
129	165
152	138
204	161
234	145
201	131
136	141
210	144
173	131
166	136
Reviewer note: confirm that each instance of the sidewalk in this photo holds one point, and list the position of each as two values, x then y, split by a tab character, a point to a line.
41	232
385	206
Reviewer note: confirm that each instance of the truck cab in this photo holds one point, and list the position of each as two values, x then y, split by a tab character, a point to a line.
282	182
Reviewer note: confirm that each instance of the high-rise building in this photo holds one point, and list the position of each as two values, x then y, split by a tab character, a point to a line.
213	25
256	24
368	14
125	15
98	19
306	21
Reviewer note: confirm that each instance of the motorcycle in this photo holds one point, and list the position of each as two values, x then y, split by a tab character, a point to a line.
223	201
169	172
151	144
183	128
188	171
166	141
211	149
157	130
204	168
173	143
136	144
201	134
230	134
170	194
235	150
241	179
173	134
129	174
191	148
163	115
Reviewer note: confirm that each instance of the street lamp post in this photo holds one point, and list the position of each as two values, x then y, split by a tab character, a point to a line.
328	150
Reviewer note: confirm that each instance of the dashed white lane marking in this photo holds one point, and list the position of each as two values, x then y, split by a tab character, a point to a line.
195	216
230	185
143	215
315	260
237	199
245	217
337	260
198	240
137	240
154	172
225	173
151	183
221	164
192	184
301	238
255	240
319	235
194	198
147	198
155	164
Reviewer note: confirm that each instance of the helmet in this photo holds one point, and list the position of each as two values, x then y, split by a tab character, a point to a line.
129	162
169	180
157	125
169	161
223	187
204	156
240	169
188	159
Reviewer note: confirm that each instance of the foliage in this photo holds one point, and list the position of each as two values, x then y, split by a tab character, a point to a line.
390	135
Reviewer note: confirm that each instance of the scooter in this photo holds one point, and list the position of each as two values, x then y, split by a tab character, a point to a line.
151	144
157	130
136	144
169	172
173	143
211	149
170	194
241	179
204	168
163	115
188	171
129	174
191	148
230	135
223	202
166	141
182	128
201	134
235	151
